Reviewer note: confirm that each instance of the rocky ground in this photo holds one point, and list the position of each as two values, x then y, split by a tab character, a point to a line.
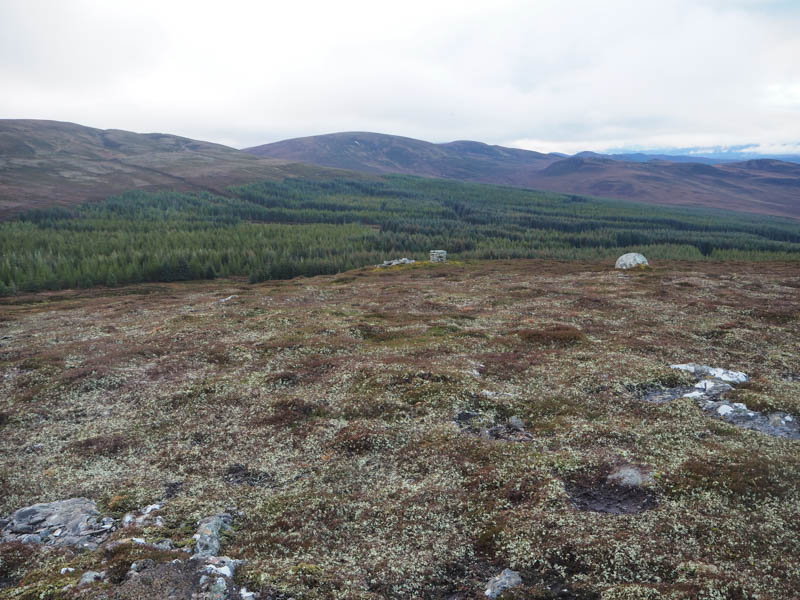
510	429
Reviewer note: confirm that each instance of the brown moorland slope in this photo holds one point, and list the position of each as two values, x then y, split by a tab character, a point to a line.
339	419
50	163
768	187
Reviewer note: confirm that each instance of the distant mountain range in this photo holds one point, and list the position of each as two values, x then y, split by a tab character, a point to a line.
46	163
712	155
642	157
765	186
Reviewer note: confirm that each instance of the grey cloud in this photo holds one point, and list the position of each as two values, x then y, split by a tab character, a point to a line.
545	75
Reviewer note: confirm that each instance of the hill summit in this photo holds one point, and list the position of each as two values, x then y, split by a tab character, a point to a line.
759	186
45	163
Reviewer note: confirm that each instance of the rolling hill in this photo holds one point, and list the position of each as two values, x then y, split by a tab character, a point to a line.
46	163
51	163
760	186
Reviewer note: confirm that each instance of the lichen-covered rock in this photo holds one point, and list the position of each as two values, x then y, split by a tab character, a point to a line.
72	522
630	475
146	517
397	261
709	392
631	260
209	533
715	372
779	424
90	577
505	581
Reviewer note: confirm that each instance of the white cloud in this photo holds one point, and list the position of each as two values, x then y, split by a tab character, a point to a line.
547	75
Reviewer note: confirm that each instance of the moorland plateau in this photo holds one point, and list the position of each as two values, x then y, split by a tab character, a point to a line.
197	348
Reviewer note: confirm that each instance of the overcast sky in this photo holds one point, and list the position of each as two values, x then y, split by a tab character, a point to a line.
565	75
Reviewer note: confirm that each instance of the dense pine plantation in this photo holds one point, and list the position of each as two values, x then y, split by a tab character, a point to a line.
310	227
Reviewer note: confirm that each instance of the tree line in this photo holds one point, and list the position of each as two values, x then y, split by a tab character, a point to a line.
279	230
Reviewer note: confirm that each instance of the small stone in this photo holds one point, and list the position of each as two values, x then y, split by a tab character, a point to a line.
31	538
140	565
164	545
516	423
90	577
505	581
696	394
220	586
788	418
66	570
150	508
137	540
724	410
739	406
224	571
629	475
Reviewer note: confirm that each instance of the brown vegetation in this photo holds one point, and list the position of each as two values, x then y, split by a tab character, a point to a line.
554	335
351	473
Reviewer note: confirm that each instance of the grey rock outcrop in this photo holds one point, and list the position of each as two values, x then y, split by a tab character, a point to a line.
631	260
709	393
209	535
72	522
505	581
777	424
397	261
90	577
715	372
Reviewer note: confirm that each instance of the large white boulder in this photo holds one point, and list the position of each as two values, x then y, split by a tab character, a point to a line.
630	260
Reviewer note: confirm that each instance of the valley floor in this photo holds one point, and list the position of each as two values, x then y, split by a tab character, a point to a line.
411	432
